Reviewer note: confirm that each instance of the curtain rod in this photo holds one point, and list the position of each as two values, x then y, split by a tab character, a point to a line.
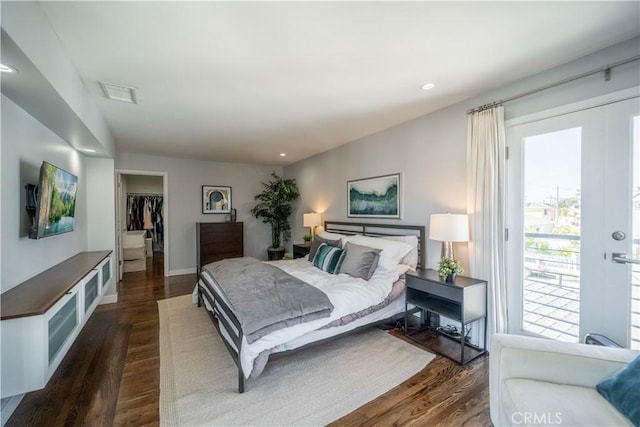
607	76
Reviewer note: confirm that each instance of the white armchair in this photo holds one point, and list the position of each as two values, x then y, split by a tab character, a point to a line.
535	381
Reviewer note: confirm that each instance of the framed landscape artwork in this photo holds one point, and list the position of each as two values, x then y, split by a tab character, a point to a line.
216	199
377	197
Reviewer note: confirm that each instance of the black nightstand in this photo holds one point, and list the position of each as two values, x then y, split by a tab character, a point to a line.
464	300
300	251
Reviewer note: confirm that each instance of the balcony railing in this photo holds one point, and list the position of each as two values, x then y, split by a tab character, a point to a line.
554	254
551	292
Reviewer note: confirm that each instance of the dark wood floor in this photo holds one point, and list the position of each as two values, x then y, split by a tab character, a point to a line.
111	374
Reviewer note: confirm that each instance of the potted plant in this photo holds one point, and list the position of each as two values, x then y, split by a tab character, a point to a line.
448	268
307	239
274	207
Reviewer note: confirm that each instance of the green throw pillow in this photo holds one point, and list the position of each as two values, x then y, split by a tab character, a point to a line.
622	390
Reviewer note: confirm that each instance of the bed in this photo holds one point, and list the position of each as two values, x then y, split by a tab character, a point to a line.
354	302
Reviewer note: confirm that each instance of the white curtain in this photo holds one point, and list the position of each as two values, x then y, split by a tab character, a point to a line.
486	209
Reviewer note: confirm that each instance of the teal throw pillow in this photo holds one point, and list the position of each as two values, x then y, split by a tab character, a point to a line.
328	258
316	244
622	390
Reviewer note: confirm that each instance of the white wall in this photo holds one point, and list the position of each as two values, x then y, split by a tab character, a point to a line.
430	151
47	88
431	182
185	180
101	210
25	144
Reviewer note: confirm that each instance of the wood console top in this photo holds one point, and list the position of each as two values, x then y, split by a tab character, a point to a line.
38	294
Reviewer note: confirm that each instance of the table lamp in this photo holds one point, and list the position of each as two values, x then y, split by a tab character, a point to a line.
311	220
449	228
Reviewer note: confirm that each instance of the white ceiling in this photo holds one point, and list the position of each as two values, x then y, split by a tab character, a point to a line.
245	81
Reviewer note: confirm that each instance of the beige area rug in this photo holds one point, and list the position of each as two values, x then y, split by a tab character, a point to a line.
199	384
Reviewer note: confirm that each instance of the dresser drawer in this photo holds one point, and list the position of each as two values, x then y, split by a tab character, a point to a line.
218	240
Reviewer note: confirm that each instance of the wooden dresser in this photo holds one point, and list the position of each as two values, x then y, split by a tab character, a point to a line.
218	240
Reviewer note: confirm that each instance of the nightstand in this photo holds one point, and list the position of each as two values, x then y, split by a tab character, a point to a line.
300	251
464	300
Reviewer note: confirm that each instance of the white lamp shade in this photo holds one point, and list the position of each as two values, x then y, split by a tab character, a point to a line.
311	220
449	227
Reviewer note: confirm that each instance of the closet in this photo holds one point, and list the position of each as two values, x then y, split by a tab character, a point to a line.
145	212
141	222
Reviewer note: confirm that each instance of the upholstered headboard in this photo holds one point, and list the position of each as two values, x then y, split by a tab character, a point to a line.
378	230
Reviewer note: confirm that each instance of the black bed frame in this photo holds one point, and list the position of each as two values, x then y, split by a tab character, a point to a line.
223	313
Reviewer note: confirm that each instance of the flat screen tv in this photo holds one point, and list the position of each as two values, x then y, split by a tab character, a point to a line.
56	202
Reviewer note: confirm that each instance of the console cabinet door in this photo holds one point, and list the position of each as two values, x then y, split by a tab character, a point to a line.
92	290
61	325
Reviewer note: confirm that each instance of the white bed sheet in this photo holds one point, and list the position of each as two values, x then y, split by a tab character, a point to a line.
396	306
348	295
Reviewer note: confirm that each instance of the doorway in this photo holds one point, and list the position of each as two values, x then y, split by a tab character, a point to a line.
573	192
142	220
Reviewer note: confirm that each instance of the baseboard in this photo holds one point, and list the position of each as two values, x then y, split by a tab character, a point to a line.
109	299
182	271
9	404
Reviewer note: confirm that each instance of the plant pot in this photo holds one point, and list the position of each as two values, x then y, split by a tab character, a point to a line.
450	278
275	254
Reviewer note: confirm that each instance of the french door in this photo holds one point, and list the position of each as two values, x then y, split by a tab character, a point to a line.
573	214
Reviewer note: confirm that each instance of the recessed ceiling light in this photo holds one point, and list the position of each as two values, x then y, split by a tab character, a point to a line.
7	69
88	150
283	154
427	86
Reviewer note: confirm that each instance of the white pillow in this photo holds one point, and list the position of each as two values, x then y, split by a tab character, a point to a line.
331	236
410	259
392	251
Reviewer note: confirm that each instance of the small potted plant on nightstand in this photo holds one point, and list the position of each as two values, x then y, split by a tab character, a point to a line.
448	268
307	239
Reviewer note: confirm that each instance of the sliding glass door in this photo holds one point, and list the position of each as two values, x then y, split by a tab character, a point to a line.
572	204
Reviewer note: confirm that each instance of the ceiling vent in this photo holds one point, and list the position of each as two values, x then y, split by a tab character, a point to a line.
119	92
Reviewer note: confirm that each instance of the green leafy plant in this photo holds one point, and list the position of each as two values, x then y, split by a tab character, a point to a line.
275	205
448	267
307	237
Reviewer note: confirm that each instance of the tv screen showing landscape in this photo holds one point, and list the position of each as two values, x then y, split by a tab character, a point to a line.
57	200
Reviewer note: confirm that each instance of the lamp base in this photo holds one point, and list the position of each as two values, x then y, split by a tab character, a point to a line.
447	250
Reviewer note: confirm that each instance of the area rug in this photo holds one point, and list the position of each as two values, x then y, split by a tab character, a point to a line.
198	378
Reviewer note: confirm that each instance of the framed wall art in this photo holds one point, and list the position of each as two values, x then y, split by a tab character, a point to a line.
216	199
377	197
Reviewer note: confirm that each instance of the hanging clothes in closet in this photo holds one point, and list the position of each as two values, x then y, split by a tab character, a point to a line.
144	212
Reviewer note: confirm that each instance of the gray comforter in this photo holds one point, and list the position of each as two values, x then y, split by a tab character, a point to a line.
265	298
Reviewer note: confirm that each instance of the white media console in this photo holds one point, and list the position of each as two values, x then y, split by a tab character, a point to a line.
41	318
